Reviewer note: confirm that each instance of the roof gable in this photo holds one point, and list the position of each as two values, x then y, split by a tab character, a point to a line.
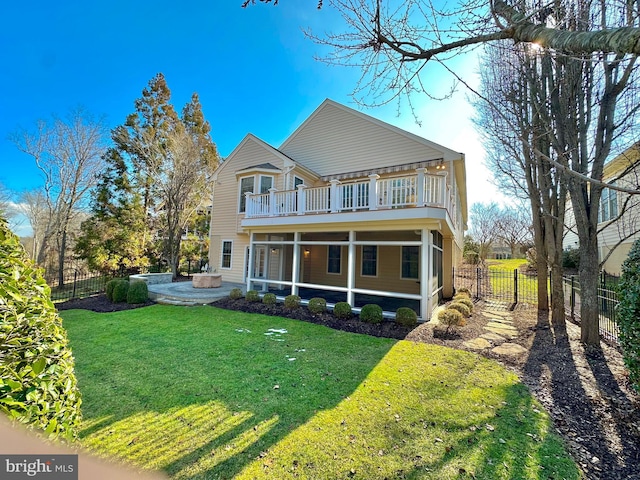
337	139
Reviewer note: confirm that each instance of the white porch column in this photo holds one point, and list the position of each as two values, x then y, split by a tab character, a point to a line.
272	202
373	191
425	275
351	268
267	263
335	201
421	174
302	199
250	267
295	273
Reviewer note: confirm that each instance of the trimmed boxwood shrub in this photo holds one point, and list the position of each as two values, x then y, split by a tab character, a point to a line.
463	299
235	294
109	289
269	299
120	290
252	296
628	314
463	309
464	290
317	305
450	318
371	313
291	301
37	382
406	316
342	310
138	292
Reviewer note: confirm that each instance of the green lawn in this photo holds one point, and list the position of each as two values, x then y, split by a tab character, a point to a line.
206	393
502	285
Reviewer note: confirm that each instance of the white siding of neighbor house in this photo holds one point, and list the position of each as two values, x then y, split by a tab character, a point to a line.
225	219
611	233
337	140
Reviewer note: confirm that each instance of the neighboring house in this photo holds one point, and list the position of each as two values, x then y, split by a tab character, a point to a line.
348	208
500	251
619	214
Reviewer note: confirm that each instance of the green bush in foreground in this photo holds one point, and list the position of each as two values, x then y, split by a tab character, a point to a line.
269	299
463	309
37	380
317	305
235	294
406	316
451	318
463	299
342	310
138	292
291	301
120	291
628	314
252	296
109	289
371	313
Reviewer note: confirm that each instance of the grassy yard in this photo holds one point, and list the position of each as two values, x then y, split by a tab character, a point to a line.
502	285
207	393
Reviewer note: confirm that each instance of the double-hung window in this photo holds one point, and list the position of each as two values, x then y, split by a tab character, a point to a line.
369	260
227	249
410	262
333	259
246	186
608	205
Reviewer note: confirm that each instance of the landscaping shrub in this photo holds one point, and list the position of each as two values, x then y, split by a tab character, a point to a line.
138	292
317	305
406	316
463	291
628	314
291	301
269	299
450	318
37	380
342	310
463	299
252	296
371	313
571	258
235	294
462	308
120	290
109	289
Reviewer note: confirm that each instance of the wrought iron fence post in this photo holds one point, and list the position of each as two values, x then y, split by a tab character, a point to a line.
478	273
75	278
573	297
515	286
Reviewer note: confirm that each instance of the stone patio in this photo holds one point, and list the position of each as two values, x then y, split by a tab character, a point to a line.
183	293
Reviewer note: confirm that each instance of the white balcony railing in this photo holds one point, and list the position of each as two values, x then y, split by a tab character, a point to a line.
417	190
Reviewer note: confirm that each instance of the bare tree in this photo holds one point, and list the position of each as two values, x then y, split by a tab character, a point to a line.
67	152
514	227
483	229
34	206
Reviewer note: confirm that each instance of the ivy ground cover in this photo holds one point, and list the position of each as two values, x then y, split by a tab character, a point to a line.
207	393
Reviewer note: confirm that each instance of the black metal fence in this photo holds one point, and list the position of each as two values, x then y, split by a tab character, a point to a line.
510	286
77	284
607	303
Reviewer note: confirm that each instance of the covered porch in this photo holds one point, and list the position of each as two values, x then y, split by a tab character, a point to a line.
390	267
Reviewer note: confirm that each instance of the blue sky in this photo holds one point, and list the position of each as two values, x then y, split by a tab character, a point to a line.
253	69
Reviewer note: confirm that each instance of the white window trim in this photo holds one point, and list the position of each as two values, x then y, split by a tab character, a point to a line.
362	261
259	186
409	278
230	267
339	264
240	191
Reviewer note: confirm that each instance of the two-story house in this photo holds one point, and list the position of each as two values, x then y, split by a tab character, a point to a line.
348	208
619	213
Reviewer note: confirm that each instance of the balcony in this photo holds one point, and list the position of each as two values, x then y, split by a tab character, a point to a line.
417	190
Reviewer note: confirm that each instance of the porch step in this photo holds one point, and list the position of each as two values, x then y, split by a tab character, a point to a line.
170	301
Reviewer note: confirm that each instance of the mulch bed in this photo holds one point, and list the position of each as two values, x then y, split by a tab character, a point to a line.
586	392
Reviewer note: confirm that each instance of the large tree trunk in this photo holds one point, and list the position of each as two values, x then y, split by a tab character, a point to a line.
589	308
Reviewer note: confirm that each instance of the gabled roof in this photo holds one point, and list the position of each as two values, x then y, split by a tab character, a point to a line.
448	153
264	166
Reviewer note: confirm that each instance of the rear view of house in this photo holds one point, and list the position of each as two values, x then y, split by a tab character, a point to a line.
348	208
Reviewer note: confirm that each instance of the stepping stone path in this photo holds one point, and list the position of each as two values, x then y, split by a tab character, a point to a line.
499	330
